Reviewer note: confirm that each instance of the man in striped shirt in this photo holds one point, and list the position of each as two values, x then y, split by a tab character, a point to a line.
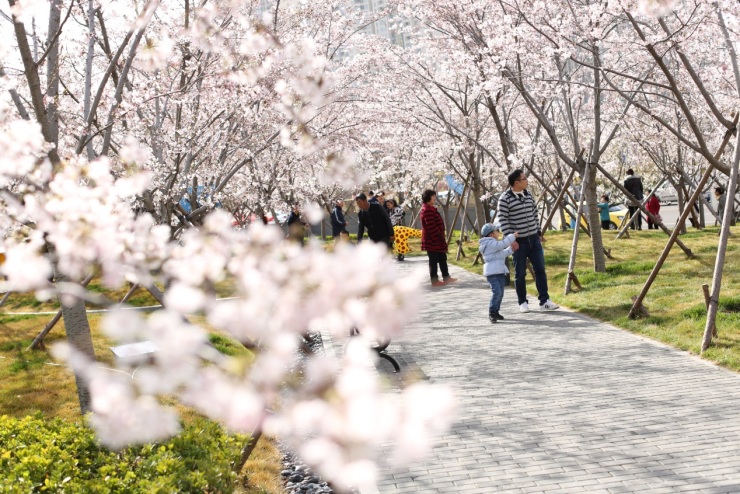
517	212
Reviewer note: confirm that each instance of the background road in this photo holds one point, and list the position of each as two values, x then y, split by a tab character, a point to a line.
669	213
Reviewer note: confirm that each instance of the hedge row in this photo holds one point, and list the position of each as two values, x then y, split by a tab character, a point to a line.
40	455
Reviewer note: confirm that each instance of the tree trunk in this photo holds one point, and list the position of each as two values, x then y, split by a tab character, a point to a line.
87	102
594	222
31	73
480	215
594	219
79	337
721	250
52	70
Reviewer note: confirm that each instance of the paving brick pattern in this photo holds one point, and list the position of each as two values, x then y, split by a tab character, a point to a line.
557	402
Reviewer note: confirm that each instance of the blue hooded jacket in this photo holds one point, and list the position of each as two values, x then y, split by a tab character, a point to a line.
494	252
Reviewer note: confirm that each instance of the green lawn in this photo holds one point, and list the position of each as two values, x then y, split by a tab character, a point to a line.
675	301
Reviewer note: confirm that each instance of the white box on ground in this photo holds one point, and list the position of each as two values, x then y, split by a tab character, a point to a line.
135	353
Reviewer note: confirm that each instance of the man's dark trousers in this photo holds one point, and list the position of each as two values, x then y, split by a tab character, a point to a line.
530	247
638	221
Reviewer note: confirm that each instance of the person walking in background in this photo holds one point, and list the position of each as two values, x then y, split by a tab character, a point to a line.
719	193
517	212
338	222
633	184
380	197
604	212
494	251
296	226
395	211
433	239
375	220
653	207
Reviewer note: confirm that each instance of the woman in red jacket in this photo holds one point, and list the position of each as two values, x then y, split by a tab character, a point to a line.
653	205
433	239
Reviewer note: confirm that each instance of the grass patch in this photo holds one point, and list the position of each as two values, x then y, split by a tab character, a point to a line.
9	318
675	300
228	345
629	267
730	304
556	259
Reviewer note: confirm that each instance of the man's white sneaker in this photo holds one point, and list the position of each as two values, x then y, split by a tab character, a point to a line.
549	305
524	307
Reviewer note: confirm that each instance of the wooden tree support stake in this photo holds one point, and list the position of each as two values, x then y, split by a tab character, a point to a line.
556	206
130	292
576	231
451	228
574	279
719	262
248	449
705	290
460	250
639	310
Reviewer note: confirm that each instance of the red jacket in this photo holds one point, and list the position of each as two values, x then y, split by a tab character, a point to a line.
653	205
432	230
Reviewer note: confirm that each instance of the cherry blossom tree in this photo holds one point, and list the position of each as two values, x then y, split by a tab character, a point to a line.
100	192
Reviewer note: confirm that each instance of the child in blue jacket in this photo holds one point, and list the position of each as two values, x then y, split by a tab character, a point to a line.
494	252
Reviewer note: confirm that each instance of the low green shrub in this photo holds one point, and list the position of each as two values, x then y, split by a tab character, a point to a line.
228	345
41	455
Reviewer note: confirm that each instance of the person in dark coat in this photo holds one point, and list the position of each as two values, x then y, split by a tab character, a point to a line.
296	226
633	184
433	239
338	223
375	220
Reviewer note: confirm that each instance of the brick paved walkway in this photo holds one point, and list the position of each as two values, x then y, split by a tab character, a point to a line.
557	402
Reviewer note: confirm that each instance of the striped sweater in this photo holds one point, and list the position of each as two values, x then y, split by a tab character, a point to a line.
518	215
432	230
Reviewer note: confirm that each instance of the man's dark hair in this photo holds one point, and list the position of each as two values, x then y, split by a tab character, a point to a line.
514	176
630	172
427	195
370	193
719	190
361	196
